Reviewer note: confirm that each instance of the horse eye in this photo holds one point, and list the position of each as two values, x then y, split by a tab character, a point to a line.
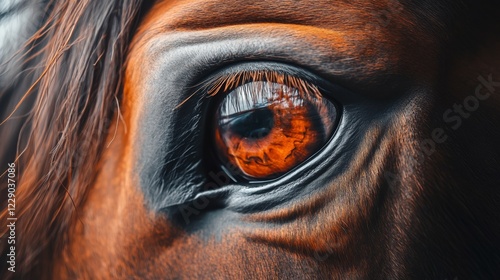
264	129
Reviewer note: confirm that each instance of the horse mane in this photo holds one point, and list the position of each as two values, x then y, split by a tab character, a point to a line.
77	57
74	67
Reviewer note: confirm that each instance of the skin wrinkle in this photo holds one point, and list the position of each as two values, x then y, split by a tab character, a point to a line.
320	30
334	213
355	23
370	72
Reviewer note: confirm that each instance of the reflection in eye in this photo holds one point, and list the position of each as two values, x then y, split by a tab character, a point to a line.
269	126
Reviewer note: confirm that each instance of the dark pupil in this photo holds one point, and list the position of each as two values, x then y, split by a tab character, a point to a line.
254	124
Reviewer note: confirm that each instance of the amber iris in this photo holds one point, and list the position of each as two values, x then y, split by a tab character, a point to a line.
265	128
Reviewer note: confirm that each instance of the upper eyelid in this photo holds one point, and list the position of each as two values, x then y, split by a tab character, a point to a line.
229	82
237	74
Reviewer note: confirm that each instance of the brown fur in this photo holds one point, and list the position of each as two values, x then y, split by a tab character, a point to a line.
82	215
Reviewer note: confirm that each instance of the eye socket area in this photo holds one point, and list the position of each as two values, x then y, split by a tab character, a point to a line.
269	123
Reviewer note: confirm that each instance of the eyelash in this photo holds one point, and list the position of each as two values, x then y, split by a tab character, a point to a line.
224	82
228	82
